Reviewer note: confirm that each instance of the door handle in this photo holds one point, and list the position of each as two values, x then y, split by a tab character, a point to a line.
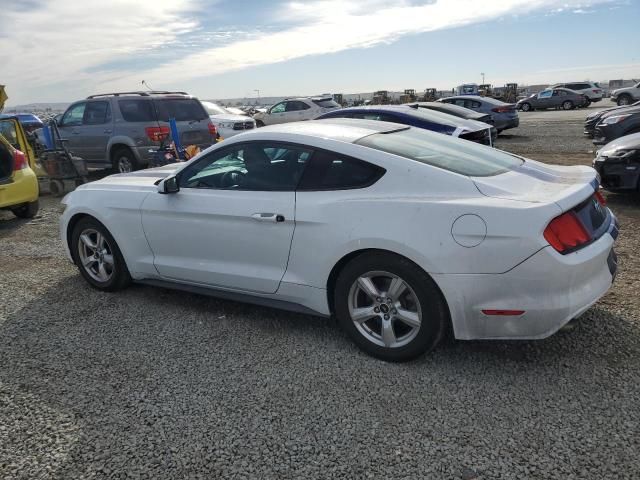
107	131
268	217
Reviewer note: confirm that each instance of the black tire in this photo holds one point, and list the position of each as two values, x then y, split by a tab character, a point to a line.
56	187
526	107
624	100
120	277
586	103
27	210
124	161
435	314
259	123
567	105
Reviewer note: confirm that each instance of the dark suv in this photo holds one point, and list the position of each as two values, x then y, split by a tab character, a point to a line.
121	130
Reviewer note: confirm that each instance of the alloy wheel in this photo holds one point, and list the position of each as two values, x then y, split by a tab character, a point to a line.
385	309
96	255
124	164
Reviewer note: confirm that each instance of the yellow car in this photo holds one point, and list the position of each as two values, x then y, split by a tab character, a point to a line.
18	181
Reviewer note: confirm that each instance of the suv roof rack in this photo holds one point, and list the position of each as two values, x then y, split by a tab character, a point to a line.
141	93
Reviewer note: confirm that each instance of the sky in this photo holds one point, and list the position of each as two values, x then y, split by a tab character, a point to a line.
64	50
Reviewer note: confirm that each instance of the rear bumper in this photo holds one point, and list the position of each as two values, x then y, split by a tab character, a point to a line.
505	124
22	188
551	288
618	176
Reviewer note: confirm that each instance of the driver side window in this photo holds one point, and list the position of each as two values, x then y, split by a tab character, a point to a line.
278	108
256	166
74	115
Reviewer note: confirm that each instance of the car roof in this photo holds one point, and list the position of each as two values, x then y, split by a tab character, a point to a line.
347	130
478	98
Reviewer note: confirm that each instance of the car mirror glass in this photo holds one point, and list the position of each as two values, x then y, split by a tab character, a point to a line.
169	185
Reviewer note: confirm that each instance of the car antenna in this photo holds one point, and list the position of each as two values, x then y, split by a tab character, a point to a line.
147	85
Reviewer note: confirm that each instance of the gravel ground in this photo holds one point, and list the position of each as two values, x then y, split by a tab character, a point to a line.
151	383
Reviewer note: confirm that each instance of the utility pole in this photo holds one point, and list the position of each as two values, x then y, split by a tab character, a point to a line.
258	92
482	77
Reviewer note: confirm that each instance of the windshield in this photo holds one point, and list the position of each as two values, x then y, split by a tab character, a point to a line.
326	103
214	108
459	156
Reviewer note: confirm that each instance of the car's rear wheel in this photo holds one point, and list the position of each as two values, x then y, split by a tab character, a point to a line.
124	161
27	210
98	257
259	123
586	103
567	105
389	307
525	107
624	100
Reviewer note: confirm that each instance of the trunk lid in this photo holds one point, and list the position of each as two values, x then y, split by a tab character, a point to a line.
535	182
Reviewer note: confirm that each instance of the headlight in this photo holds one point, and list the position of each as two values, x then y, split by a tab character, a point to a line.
615	119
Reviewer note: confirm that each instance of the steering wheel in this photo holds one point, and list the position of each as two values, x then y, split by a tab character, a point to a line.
229	179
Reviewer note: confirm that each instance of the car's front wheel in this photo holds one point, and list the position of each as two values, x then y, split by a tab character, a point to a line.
389	307
624	100
98	257
259	124
525	107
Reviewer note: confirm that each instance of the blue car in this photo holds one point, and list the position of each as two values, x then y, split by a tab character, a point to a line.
446	124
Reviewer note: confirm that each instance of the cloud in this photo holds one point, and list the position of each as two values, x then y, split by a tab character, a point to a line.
48	42
329	26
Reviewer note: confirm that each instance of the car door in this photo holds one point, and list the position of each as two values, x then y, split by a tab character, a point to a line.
296	111
231	223
277	114
94	133
70	126
543	99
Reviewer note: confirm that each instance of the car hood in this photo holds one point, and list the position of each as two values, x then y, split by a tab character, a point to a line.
537	182
229	117
140	179
599	113
622	111
628	142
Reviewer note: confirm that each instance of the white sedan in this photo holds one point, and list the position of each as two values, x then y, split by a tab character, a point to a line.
400	233
228	123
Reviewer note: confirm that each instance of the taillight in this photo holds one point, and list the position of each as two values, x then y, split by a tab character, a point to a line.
157	134
595	90
212	130
565	233
601	200
504	109
19	161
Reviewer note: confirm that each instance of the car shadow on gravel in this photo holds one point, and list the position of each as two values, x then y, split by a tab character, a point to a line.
96	383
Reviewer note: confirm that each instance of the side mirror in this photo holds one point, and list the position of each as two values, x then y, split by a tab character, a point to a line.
169	185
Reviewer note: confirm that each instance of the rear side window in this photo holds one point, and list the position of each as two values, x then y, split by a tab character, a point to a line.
97	113
326	103
331	171
465	158
182	109
383	117
137	110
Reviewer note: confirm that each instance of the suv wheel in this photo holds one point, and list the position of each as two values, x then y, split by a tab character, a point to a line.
389	307
98	257
624	100
586	103
124	161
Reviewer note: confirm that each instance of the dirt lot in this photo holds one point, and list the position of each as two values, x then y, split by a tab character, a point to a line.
151	383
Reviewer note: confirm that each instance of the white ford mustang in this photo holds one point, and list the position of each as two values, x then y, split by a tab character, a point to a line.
399	232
